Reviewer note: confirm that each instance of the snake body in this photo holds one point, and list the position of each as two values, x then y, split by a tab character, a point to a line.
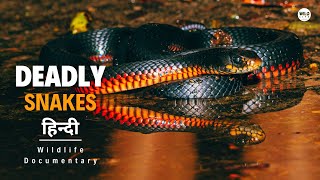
152	54
188	62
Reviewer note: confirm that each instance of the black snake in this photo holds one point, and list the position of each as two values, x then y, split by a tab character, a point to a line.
188	62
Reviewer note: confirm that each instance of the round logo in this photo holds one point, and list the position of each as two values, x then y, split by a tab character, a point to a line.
304	14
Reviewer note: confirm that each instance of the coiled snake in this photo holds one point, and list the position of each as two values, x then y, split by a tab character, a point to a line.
188	62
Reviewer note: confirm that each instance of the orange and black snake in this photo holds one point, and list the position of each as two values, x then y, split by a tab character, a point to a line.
188	62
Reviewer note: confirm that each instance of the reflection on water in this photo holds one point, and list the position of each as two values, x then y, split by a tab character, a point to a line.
210	152
215	118
152	156
293	143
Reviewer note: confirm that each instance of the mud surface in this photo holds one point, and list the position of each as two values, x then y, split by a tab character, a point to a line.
290	151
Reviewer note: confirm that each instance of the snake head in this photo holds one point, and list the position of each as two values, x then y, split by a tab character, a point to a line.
247	134
242	61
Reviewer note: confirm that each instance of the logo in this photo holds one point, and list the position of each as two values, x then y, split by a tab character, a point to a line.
304	14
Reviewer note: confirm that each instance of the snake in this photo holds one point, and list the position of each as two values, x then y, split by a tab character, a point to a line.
173	62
